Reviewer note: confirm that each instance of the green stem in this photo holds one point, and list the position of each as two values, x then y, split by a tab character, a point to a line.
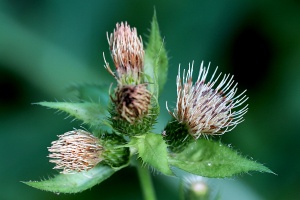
146	183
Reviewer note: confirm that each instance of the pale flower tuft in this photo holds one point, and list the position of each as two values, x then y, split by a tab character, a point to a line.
208	108
75	151
127	52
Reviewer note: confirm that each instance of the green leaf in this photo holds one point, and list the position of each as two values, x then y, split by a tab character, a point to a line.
73	183
153	150
213	159
90	113
156	59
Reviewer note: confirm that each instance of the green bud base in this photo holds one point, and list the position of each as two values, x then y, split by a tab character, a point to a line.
177	136
115	155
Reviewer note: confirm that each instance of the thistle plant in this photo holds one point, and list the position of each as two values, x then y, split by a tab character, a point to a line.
120	127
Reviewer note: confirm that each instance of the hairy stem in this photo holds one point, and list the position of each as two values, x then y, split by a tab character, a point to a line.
146	182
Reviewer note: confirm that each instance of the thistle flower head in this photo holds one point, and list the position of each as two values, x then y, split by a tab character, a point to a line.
75	151
132	101
127	52
205	107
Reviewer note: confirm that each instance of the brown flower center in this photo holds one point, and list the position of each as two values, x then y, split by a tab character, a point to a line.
132	102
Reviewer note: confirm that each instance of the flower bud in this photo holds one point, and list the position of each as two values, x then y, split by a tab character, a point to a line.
203	110
115	154
132	101
76	151
127	52
176	136
79	150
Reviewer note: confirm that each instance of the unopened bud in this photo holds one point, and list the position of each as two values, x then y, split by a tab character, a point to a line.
132	101
76	151
127	52
79	150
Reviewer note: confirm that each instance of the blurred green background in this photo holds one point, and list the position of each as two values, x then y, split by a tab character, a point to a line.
47	45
